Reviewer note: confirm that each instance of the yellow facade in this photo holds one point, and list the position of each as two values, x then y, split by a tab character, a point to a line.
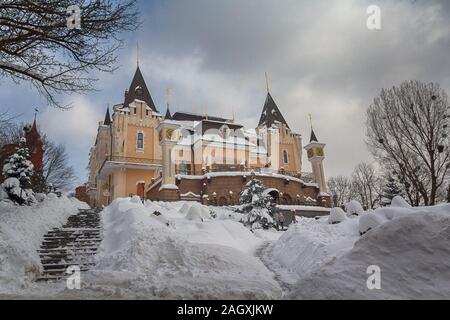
127	157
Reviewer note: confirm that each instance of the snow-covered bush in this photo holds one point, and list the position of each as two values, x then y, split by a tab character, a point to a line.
369	221
337	215
18	171
198	212
400	202
258	208
354	208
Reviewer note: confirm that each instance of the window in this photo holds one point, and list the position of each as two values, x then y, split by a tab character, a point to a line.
146	112
135	110
285	157
140	141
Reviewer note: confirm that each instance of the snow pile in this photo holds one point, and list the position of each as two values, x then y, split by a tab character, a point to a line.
307	245
143	258
21	231
411	250
337	215
198	212
354	208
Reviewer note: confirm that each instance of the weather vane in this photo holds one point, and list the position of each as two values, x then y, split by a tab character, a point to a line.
310	120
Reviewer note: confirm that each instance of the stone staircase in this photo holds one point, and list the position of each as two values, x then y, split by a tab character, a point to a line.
74	244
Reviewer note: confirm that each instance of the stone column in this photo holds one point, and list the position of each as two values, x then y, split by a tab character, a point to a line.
168	138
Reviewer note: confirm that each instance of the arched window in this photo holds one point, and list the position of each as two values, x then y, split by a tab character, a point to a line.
285	157
140	140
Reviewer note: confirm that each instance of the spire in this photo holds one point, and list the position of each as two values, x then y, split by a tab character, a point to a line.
267	82
107	120
168	115
138	54
271	113
138	90
313	135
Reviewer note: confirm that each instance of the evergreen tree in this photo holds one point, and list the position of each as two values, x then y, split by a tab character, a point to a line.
390	191
18	171
258	208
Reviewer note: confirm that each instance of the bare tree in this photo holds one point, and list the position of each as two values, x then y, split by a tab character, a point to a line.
38	44
367	185
57	170
339	187
6	123
407	131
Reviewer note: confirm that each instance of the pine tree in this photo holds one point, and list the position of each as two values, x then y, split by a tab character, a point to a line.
390	191
18	171
258	208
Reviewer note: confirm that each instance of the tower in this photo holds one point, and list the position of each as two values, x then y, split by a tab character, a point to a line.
316	155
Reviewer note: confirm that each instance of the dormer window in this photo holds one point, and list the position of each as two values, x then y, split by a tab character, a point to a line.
140	141
139	91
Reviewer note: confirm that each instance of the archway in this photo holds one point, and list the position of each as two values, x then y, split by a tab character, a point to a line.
274	193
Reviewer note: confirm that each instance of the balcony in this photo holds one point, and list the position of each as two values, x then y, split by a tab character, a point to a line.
111	163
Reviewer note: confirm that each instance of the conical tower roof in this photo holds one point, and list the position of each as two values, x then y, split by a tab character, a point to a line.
271	113
107	120
313	136
138	90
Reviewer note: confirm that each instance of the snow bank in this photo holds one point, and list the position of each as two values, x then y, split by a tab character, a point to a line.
141	257
411	250
307	245
21	232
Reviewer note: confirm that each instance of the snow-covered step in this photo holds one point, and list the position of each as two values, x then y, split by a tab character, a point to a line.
73	244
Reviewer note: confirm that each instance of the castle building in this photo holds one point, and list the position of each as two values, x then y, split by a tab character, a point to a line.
187	156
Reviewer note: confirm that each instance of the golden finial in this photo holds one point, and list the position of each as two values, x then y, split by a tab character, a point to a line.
138	53
168	92
267	82
232	112
206	111
310	120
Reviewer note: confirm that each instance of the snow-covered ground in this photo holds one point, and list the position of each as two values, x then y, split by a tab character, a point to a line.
318	260
188	251
21	233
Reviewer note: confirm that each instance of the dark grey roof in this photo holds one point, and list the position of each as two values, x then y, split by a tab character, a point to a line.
271	113
168	115
107	120
313	136
138	90
186	116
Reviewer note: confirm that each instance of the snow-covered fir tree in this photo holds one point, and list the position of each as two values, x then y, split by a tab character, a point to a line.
391	190
18	171
258	208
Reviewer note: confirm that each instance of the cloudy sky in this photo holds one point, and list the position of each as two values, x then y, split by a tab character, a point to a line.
319	55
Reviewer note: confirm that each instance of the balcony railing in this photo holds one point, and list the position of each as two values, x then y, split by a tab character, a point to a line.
133	160
130	160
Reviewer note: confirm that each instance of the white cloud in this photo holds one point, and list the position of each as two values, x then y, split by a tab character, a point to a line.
76	127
